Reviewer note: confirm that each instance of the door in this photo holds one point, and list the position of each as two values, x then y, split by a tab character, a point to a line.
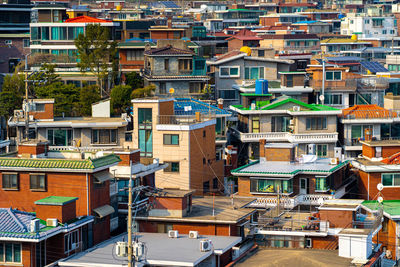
303	186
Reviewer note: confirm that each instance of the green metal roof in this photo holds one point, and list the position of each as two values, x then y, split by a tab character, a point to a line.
72	164
55	200
391	207
136	44
253	94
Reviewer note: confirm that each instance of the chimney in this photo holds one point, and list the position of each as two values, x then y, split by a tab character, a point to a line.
56	207
220	103
368	134
33	149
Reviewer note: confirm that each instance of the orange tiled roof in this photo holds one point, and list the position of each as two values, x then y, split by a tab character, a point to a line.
393	159
86	19
367	112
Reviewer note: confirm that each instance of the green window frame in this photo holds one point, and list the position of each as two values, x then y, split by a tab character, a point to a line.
253	73
322	150
173	166
171	139
229	71
321	184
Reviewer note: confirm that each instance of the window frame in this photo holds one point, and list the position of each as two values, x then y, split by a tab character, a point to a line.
10	188
333	75
67	237
310	124
169	168
38	189
393	179
319	148
3	260
109	135
229	72
170	139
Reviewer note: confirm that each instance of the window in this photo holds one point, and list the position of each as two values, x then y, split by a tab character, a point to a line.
172	166
316	123
383	31
271	186
206	187
391	179
333	75
333	99
10	181
163	88
37	182
104	136
26	43
366	21
59	137
226	72
280	124
204	161
254	73
204	133
308	243
171	139
177	35
185	64
320	184
261	53
144	115
195	88
71	241
215	183
377	22
227	94
364	99
256	124
357	131
39	107
10	252
45	33
166	64
134	55
322	150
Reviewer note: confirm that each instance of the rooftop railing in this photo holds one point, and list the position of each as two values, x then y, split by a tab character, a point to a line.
184	119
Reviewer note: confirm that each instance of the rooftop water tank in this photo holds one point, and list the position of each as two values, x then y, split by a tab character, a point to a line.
261	87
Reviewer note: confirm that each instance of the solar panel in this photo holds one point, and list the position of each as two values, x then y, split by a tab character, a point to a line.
169	4
374	66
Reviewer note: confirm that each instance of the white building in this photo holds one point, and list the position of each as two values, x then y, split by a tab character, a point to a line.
366	26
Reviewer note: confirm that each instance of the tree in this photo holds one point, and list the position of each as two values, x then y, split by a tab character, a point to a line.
12	94
97	54
121	98
143	92
134	80
89	94
45	76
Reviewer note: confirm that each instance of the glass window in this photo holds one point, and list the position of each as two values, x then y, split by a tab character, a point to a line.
59	137
256	124
391	179
316	123
38	182
145	115
35	33
172	166
146	142
322	150
320	184
104	136
10	252
229	72
280	124
333	75
271	186
45	33
171	139
10	181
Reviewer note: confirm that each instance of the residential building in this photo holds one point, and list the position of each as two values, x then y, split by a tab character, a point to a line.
301	43
235	67
357	120
365	25
378	165
237	17
162	32
313	27
281	19
162	251
178	210
332	45
243	38
65	133
37	172
133	29
173	65
311	128
186	143
30	239
374	54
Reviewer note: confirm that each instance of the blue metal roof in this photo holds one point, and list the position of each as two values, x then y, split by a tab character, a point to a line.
374	66
306	22
193	105
165	4
16	224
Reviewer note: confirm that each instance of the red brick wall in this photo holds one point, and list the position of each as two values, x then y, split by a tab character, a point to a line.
28	251
234	44
129	64
390	193
15	50
47	114
31	149
388	238
126	158
185	227
171	203
388	151
279	154
368	151
101	230
62	213
328	242
268	21
166	34
337	218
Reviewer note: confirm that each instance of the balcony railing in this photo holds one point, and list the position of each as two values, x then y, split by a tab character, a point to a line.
288	137
335	85
195	72
184	119
291	202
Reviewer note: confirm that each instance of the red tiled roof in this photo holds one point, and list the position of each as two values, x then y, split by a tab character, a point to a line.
220	34
244	38
393	159
86	19
367	112
168	50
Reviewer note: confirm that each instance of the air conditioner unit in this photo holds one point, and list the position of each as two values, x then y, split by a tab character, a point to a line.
138	250
334	161
52	222
338	152
205	245
173	234
121	249
193	234
311	149
35	225
296	108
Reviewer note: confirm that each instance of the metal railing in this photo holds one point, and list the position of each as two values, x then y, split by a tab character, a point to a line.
289	137
349	84
192	72
184	119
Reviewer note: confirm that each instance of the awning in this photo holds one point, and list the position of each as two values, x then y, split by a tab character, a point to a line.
102	176
103	211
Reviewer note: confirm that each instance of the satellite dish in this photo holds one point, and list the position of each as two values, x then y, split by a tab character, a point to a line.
379	186
380	199
171	90
320	201
322	98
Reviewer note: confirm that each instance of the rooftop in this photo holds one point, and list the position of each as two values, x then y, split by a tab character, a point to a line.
288	169
55	200
160	250
390	207
86	19
168	50
189	106
367	112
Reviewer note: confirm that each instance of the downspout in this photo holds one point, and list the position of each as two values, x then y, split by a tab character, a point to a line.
87	194
368	186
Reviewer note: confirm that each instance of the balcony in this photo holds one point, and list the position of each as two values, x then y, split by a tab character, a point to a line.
290	202
288	137
342	85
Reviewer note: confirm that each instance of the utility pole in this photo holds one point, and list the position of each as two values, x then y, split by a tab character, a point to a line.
130	249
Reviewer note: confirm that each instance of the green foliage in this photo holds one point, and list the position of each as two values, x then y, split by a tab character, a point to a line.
89	94
120	98
66	97
143	92
134	80
45	76
12	94
96	52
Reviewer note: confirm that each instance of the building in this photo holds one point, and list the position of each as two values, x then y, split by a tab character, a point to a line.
356	120
378	165
366	26
161	251
332	45
243	38
300	43
281	19
236	67
28	239
311	128
236	17
186	142
65	133
36	173
173	65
